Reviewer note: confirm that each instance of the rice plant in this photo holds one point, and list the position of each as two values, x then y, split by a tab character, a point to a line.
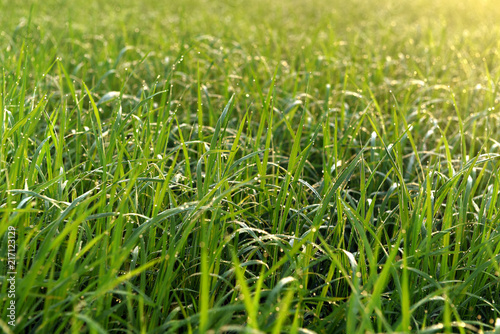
226	166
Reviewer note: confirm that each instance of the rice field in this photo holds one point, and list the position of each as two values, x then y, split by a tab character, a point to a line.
249	167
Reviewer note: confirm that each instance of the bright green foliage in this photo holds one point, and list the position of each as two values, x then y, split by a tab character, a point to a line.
251	166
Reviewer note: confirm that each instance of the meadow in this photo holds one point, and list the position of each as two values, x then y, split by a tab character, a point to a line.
195	166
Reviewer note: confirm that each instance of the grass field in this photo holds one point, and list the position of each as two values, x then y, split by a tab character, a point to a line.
194	166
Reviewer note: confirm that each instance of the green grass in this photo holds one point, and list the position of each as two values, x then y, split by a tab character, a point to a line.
226	166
